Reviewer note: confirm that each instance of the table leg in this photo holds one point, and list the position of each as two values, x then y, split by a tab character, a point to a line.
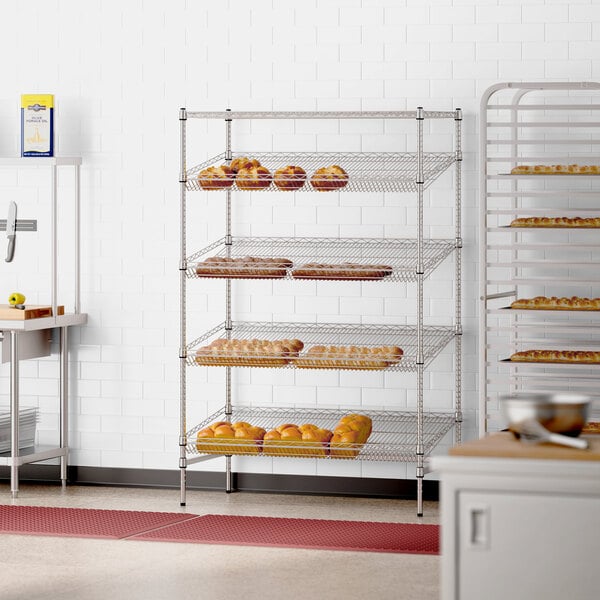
14	413
64	402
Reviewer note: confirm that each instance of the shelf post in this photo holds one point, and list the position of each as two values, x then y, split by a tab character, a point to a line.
419	451
182	308
64	401
458	280
14	413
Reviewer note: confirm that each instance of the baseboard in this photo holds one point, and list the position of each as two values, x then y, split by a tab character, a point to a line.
248	482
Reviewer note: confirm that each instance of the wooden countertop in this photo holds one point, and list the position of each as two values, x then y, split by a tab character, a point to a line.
505	445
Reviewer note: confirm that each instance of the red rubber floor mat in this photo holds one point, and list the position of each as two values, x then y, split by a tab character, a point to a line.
83	522
302	533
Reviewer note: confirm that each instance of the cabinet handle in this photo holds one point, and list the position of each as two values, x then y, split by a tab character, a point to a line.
479	528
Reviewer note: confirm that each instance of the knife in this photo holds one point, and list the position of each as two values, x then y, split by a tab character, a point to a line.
11	228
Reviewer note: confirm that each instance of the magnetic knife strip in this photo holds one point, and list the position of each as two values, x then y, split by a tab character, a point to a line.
21	225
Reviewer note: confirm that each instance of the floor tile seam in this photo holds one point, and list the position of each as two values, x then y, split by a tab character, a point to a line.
158	528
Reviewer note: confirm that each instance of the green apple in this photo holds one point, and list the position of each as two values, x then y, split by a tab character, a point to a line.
16	298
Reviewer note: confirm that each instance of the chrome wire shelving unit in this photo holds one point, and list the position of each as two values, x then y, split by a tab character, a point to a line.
392	438
401	436
542	124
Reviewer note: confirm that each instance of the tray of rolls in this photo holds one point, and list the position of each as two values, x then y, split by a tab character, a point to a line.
555	223
316	172
323	433
325	259
572	303
317	346
548	356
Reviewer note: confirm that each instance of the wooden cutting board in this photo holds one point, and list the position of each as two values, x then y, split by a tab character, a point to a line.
505	445
31	311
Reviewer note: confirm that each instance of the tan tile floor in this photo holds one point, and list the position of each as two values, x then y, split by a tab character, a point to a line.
91	569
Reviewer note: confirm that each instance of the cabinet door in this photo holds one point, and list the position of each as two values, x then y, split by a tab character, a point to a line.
518	545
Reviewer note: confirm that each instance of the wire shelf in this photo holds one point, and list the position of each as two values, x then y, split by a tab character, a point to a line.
367	172
394	435
435	339
381	260
358	114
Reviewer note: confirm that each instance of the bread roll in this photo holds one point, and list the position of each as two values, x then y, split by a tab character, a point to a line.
243	162
248	353
216	178
253	178
329	178
349	357
290	178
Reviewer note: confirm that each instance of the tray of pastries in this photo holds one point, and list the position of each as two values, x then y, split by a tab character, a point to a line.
349	357
248	353
573	169
344	271
579	357
557	222
555	303
246	267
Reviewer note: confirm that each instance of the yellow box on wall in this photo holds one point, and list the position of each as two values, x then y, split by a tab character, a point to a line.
37	125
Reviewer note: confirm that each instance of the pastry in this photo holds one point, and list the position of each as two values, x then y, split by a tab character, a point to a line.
248	353
247	267
557	356
290	178
230	438
216	178
556	222
349	436
345	271
554	303
253	178
329	178
243	162
293	440
349	357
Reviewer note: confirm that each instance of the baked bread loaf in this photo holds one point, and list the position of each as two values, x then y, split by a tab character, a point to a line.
292	440
230	438
344	271
554	303
591	427
557	356
247	267
573	169
350	435
329	178
556	222
349	357
216	178
249	353
242	162
253	178
290	178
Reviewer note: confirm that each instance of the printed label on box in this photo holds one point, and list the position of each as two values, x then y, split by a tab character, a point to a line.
37	125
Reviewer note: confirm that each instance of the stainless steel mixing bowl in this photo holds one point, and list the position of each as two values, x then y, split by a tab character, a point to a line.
558	413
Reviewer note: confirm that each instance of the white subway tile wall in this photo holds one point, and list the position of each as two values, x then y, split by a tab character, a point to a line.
120	71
